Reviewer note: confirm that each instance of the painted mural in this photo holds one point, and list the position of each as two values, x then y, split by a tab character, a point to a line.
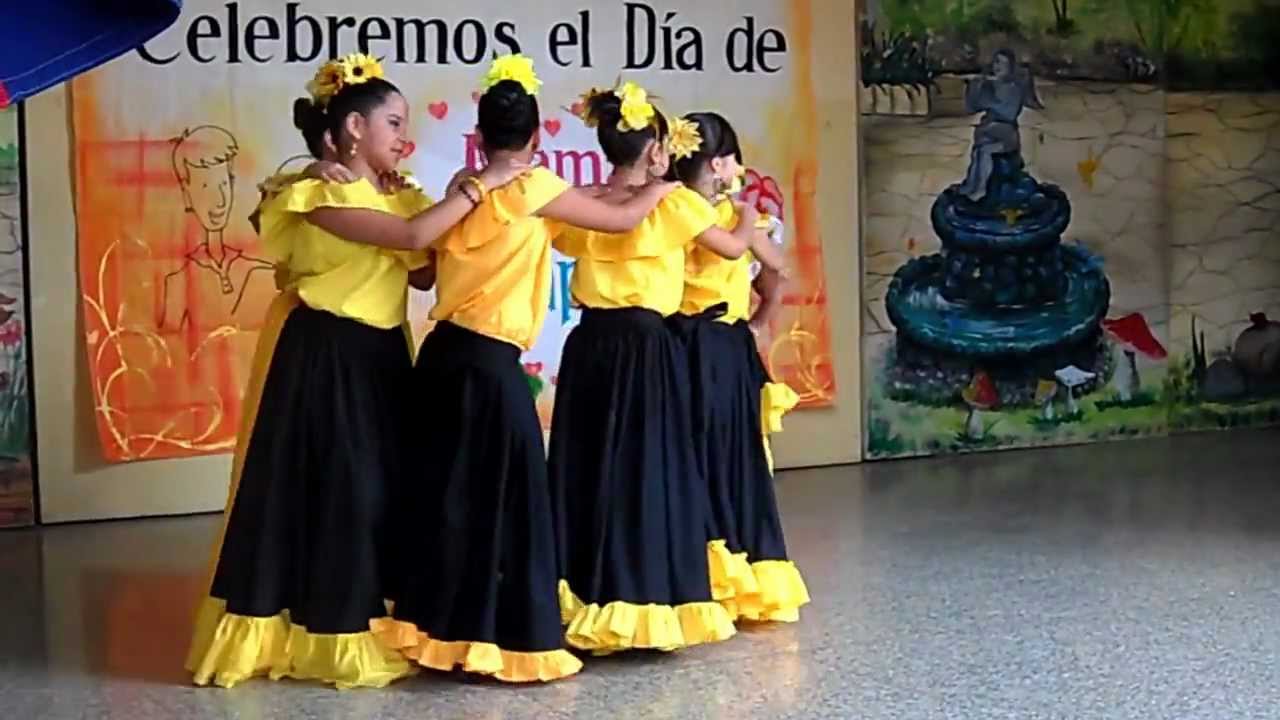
171	141
16	489
1070	221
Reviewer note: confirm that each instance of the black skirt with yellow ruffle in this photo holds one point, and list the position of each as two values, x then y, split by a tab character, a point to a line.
630	506
476	541
751	573
300	573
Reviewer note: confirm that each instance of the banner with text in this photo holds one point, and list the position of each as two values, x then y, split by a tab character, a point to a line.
172	140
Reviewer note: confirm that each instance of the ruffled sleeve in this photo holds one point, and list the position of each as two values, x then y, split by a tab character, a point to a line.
281	213
274	184
511	203
684	215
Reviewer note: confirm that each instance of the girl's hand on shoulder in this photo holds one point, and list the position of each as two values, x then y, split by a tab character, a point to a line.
329	172
498	175
395	182
455	183
656	191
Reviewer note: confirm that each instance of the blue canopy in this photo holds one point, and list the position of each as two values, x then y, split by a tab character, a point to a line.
44	42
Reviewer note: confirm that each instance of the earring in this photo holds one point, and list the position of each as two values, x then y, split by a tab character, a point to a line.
355	144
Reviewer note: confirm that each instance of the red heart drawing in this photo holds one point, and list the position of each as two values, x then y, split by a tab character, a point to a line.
408	149
475	96
438	110
552	127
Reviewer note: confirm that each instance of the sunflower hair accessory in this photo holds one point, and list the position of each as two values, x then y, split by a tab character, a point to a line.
518	68
335	75
683	138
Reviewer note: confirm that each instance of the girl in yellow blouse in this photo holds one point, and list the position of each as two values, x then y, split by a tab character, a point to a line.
299	573
481	583
752	576
631	511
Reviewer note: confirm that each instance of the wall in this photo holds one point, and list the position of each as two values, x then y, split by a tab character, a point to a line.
17	492
816	437
76	484
1162	134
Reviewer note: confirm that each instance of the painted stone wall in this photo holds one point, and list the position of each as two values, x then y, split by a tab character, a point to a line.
1122	275
16	489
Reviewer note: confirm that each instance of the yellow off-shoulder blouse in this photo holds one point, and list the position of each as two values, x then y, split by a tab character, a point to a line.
641	268
353	280
493	269
710	279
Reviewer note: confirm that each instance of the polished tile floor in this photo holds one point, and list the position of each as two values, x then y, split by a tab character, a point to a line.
1130	580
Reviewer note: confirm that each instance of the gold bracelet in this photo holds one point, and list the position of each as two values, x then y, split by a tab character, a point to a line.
474	181
467	194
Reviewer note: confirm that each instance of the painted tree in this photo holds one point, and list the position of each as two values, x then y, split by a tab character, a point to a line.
1062	22
1163	26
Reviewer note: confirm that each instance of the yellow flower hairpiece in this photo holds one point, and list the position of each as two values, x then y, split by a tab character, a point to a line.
683	138
512	67
333	76
359	68
326	83
637	112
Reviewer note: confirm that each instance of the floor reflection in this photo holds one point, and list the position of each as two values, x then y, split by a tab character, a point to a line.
1110	581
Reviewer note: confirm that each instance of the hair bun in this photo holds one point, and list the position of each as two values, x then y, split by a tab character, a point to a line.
507	116
605	108
306	114
506	94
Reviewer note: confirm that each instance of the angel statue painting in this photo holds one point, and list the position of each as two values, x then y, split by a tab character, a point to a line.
1000	95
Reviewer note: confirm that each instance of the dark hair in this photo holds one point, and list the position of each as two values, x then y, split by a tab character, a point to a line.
313	120
508	116
718	140
310	120
621	147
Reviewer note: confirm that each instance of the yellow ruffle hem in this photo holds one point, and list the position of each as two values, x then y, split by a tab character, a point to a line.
619	626
474	657
227	649
731	574
780	594
763	591
776	400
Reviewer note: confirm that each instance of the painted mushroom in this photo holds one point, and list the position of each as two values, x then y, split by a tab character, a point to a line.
979	395
1046	391
1133	336
1071	378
